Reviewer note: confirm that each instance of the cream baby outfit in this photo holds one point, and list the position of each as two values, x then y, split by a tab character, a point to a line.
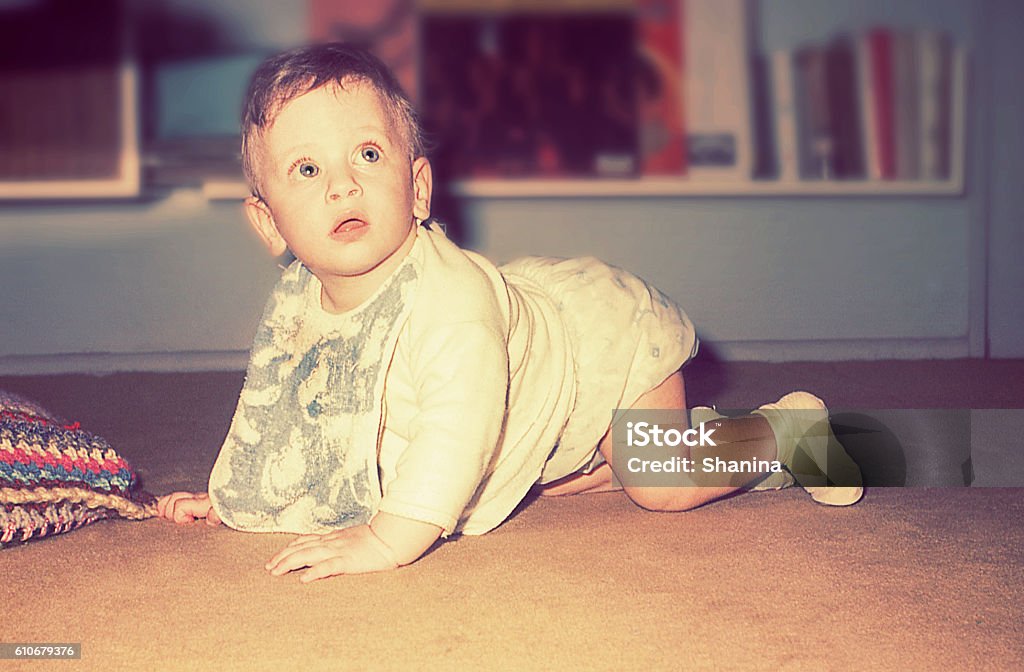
445	396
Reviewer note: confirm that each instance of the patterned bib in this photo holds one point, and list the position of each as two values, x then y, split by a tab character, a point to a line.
301	453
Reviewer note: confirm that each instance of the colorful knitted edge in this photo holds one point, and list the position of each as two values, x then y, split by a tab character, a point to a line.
56	477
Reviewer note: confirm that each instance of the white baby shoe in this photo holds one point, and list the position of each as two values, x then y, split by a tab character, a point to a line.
810	451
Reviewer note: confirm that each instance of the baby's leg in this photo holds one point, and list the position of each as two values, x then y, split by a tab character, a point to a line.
749	438
794	430
744	438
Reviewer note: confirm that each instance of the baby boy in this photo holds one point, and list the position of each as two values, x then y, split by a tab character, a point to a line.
401	389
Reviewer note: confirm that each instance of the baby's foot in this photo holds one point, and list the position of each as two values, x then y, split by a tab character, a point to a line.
811	452
774	481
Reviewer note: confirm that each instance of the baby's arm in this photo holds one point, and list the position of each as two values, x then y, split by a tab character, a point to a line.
460	379
459	375
386	543
185	507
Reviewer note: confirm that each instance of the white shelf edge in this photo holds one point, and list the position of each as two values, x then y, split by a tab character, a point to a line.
225	190
626	188
534	188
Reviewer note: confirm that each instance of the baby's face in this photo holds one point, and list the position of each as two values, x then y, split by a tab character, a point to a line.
339	186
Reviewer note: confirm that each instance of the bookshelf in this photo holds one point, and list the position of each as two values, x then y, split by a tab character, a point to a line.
650	187
184	162
684	186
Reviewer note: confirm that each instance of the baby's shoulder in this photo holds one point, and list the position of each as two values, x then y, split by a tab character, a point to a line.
458	286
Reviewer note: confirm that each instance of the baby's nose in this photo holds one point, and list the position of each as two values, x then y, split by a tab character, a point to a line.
343	186
335	194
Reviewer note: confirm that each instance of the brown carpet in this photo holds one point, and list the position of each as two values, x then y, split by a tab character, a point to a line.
910	578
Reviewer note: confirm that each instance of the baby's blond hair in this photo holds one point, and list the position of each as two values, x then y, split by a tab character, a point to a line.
286	76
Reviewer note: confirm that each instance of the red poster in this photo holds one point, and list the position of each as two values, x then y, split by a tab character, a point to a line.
660	87
388	27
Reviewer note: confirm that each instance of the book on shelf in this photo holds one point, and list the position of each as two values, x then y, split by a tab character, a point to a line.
877	102
952	132
935	91
879	105
911	99
779	146
817	113
718	120
659	79
906	95
866	105
845	122
814	133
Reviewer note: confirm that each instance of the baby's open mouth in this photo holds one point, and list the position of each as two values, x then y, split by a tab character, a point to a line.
350	224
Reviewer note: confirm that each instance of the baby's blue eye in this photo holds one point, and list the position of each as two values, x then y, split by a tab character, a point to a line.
370	154
307	169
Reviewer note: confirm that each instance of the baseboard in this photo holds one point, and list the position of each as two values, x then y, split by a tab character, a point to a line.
100	363
837	350
757	351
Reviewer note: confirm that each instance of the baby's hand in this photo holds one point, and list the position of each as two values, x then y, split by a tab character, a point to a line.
185	507
354	550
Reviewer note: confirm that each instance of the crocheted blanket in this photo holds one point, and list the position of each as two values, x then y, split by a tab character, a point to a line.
301	453
56	477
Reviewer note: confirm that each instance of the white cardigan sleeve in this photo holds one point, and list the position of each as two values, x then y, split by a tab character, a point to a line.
460	376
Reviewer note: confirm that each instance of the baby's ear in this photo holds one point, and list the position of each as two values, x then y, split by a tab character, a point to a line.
422	187
262	221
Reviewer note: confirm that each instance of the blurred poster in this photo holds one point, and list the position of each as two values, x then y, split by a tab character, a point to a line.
530	94
660	80
386	27
69	103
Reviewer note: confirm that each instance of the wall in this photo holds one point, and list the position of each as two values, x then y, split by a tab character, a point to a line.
1005	300
776	278
179	283
106	283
